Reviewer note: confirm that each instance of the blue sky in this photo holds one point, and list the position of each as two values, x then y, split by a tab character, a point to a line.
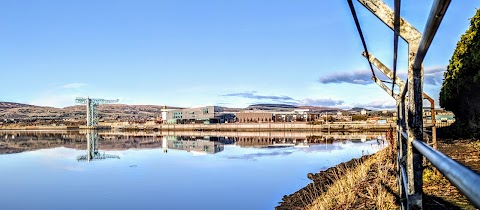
194	53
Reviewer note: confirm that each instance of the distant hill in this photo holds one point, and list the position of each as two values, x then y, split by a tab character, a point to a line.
114	112
11	105
108	112
357	109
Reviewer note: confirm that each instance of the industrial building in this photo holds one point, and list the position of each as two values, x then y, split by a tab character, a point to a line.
254	116
207	114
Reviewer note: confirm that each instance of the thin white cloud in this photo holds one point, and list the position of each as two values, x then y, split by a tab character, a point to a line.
377	104
58	101
74	85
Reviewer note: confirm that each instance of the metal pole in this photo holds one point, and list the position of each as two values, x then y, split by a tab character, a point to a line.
415	112
465	179
437	12
89	114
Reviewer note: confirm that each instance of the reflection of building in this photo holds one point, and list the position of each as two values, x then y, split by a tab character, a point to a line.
208	114
92	149
263	142
194	146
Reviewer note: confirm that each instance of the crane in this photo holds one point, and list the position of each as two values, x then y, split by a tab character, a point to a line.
92	103
92	149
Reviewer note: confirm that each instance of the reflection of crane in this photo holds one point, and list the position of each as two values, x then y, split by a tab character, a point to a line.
92	103
92	149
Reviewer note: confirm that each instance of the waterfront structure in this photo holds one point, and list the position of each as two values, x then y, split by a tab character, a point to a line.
363	112
294	115
254	116
207	114
441	116
92	114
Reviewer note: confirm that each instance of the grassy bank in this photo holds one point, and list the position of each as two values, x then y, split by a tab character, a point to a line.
371	183
360	183
366	185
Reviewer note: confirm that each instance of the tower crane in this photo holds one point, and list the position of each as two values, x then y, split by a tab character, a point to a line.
92	103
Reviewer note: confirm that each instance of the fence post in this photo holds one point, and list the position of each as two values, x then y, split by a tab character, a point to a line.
415	126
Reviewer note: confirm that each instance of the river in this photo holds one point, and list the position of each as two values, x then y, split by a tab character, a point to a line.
107	170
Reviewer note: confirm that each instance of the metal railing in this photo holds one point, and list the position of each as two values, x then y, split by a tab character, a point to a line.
410	145
466	180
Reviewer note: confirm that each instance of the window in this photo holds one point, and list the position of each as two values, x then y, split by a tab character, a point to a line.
177	115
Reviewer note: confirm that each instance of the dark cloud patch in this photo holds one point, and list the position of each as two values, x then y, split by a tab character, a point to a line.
253	156
356	77
432	76
287	99
253	95
320	102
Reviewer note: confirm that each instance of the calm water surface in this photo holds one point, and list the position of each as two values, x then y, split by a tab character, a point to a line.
53	171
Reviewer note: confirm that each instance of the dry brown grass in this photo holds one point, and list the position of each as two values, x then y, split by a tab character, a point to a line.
368	185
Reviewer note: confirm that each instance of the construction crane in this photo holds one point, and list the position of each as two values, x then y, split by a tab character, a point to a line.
92	149
92	103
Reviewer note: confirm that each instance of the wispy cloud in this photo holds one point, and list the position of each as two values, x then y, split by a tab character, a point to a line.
357	77
58	101
379	104
253	95
286	99
432	76
73	85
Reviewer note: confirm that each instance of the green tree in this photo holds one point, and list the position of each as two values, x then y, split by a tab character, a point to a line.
460	91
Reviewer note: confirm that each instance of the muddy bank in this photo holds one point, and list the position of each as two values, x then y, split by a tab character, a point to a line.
320	183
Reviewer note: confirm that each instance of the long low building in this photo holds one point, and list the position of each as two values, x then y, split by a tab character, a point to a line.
245	117
207	114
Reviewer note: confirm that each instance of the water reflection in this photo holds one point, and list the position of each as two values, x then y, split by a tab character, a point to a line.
193	142
241	170
92	149
194	146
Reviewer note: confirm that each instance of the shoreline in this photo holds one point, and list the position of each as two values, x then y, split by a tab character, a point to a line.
370	182
321	181
252	127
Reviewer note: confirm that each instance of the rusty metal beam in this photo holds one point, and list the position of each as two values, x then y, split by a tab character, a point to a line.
384	69
387	16
433	114
387	72
415	89
384	87
415	102
396	29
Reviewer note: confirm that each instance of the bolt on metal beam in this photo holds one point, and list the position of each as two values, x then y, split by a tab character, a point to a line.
385	70
384	87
